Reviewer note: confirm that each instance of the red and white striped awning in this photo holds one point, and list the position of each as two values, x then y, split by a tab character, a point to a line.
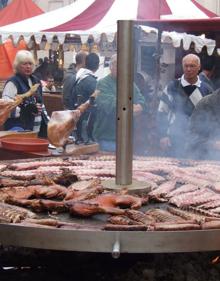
103	14
85	17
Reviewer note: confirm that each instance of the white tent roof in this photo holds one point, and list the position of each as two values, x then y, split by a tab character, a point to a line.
85	17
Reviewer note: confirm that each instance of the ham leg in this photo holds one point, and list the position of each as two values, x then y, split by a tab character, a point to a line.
62	123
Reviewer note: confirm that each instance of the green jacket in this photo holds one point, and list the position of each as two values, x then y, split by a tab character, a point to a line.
105	127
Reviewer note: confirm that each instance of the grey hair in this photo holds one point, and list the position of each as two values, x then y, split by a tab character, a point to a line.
194	57
22	56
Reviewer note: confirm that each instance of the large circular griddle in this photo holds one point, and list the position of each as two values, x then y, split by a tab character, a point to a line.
114	242
102	241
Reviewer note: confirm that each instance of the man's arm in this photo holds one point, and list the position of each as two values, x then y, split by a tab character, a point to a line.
139	102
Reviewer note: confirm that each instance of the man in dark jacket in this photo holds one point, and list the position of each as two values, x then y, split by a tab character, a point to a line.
176	106
205	128
70	79
85	86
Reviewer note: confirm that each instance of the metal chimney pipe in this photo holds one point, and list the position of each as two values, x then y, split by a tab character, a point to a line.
124	111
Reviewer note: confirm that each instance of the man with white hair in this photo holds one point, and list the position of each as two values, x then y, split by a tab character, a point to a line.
176	106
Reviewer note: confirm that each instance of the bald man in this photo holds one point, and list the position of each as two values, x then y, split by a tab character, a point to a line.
176	106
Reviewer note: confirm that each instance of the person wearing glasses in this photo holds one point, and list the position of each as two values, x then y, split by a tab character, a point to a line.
176	105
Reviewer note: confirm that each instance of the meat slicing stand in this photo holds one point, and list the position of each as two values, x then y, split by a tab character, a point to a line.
124	117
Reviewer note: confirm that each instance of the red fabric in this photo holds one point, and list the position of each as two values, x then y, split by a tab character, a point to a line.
88	18
148	9
7	55
204	10
18	10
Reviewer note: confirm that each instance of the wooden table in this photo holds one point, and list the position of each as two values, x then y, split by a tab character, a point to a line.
53	102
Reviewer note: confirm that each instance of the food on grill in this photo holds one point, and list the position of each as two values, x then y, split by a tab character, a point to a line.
2	167
6	106
14	214
186	214
162	190
84	194
105	203
207	213
139	216
147	176
163	216
196	197
211	225
185	188
48	222
87	209
211	205
4	182
186	193
115	227
117	200
36	164
39	205
123	220
175	227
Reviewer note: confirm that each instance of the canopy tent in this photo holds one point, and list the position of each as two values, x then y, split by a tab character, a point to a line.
19	10
86	17
103	13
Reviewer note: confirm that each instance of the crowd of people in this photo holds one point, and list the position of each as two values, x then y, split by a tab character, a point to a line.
187	120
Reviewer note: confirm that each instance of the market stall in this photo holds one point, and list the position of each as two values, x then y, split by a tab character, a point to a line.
145	218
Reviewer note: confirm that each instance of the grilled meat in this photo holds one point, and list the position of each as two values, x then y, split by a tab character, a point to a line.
139	216
13	213
86	209
123	220
117	227
175	226
39	205
162	190
211	225
163	216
